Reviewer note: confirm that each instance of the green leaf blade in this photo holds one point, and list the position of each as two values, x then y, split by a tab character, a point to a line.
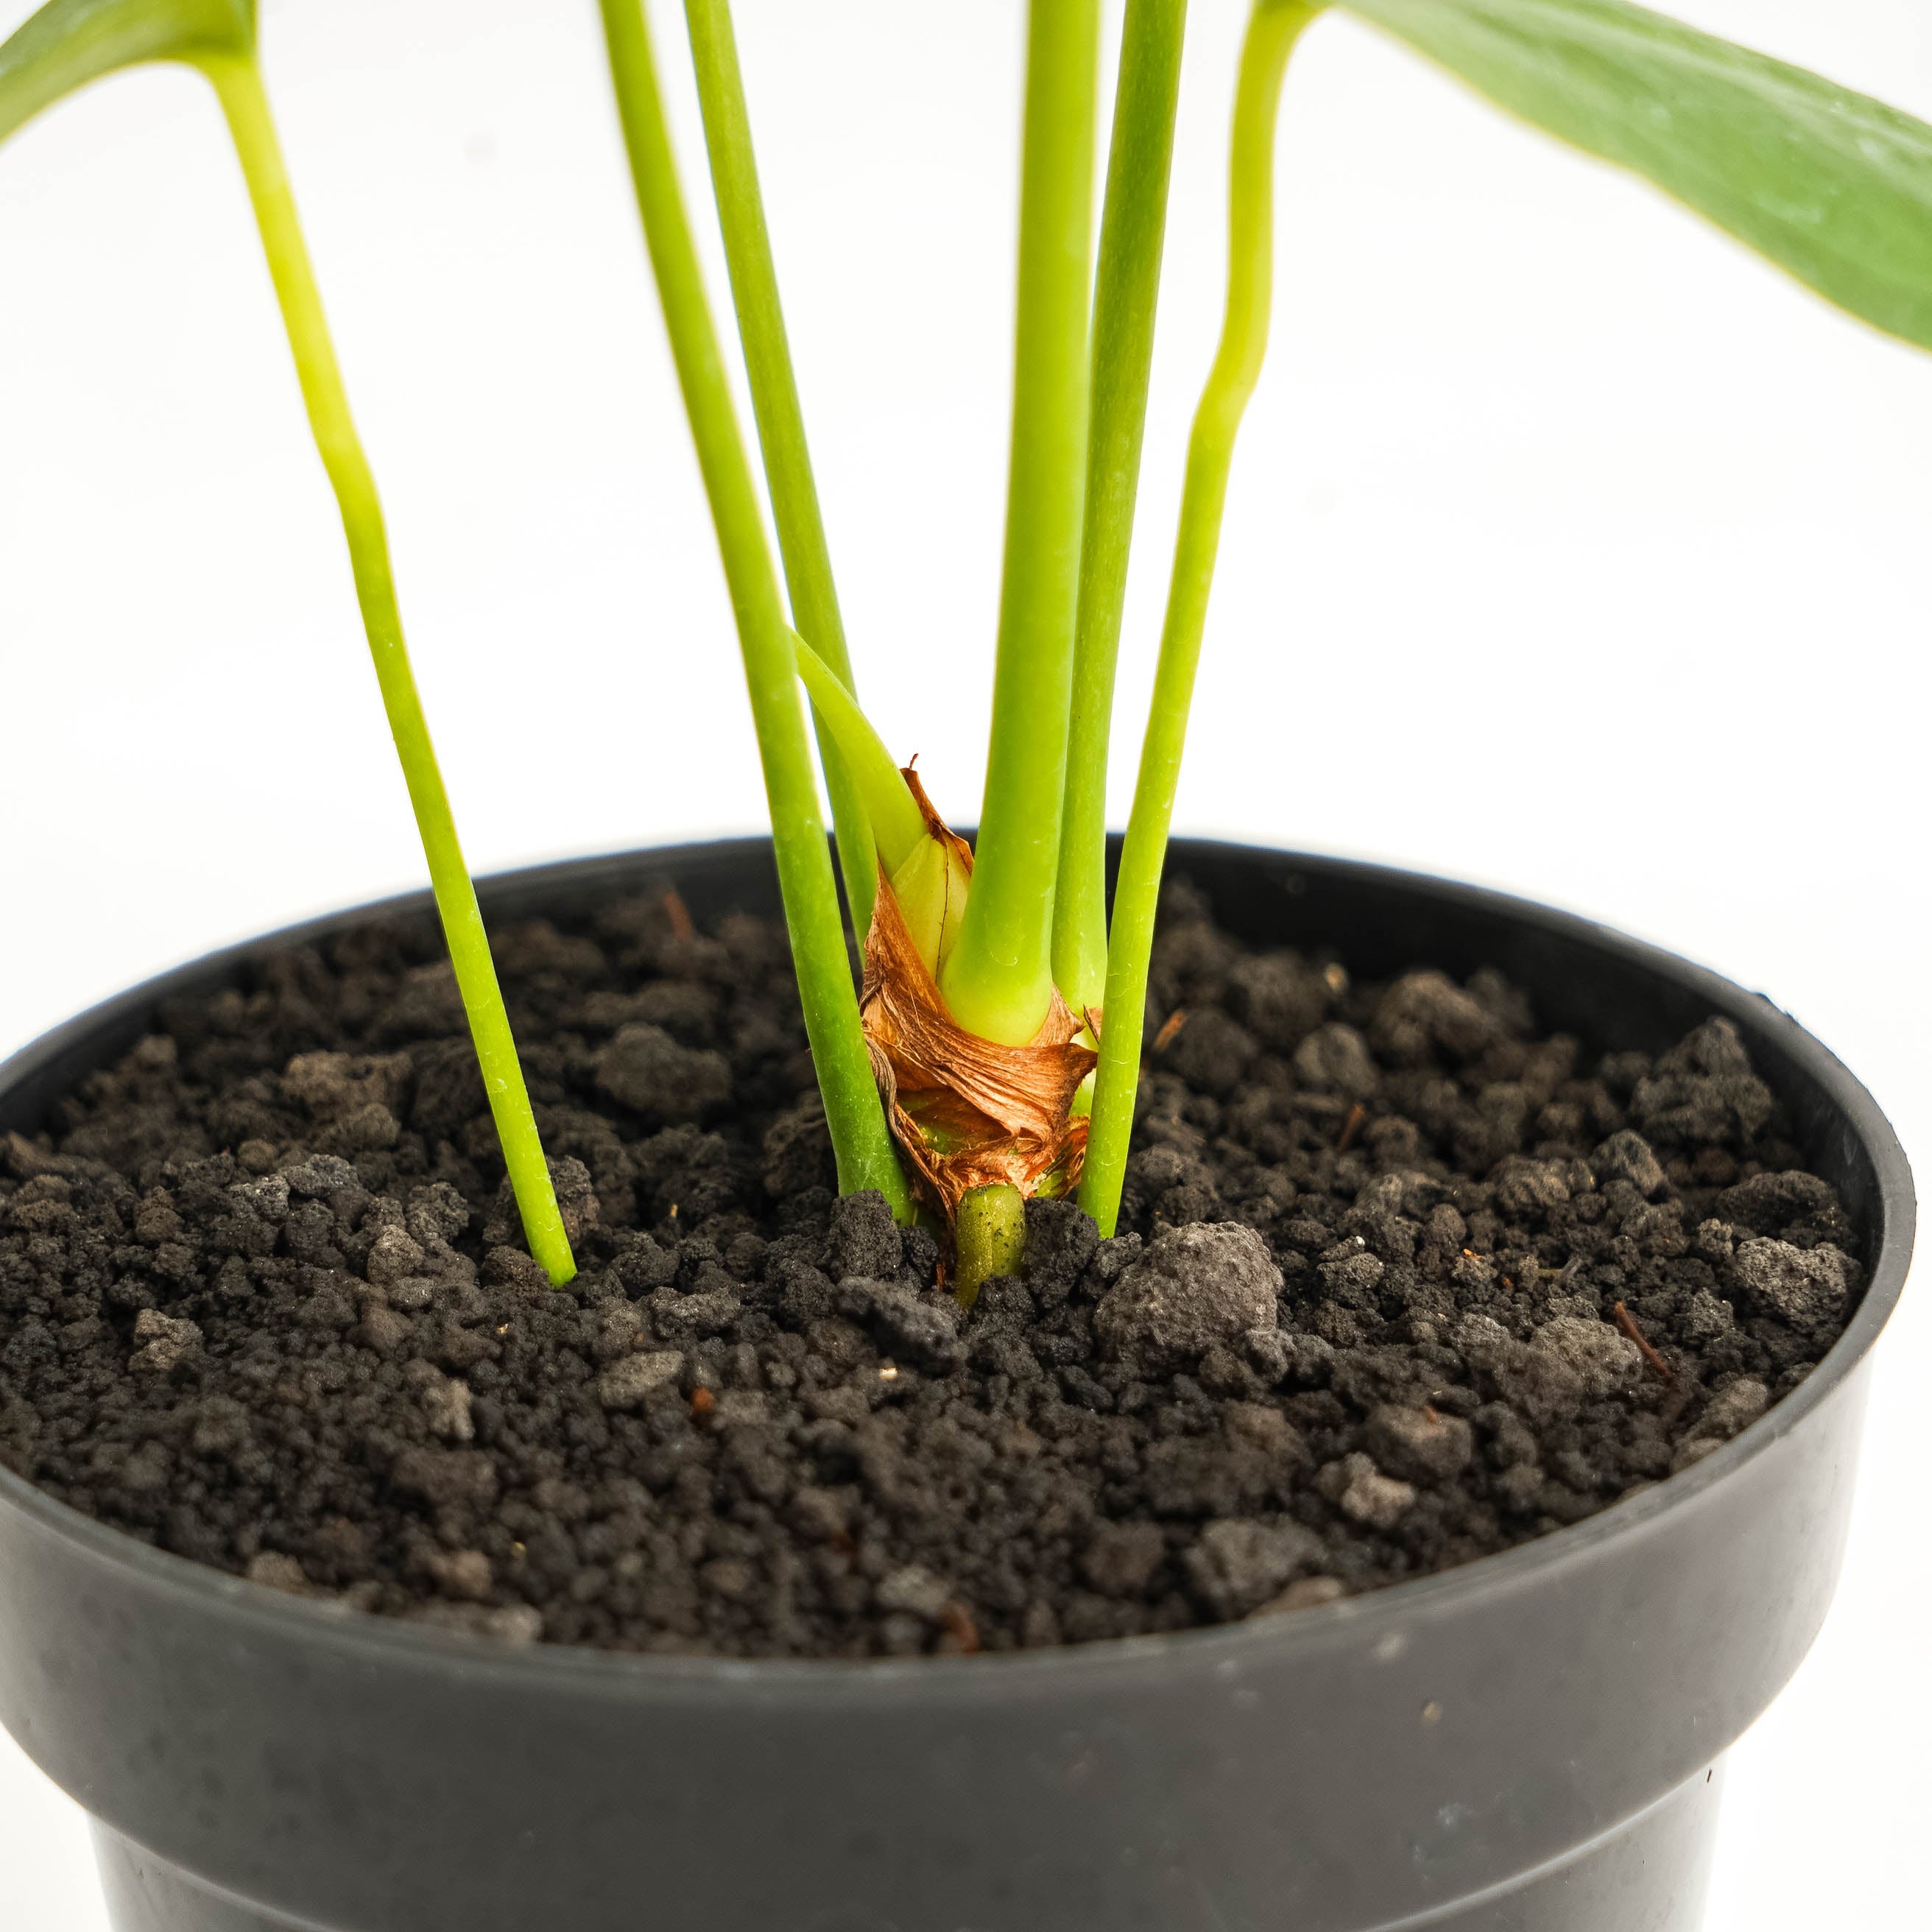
69	43
1834	186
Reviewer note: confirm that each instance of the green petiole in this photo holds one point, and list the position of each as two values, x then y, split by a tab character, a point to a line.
859	1135
999	981
73	41
780	420
1274	27
237	85
1126	286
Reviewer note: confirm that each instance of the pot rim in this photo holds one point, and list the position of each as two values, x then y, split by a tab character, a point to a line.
1382	1617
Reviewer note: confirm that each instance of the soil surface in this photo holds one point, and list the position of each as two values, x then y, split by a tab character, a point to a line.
1407	1282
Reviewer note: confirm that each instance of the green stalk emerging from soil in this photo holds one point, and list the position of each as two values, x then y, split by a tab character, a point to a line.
859	1137
999	982
62	47
1126	286
1274	27
237	85
761	330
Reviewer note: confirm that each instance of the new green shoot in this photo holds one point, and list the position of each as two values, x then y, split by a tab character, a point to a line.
890	822
927	875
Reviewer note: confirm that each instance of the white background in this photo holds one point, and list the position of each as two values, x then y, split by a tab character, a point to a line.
1570	549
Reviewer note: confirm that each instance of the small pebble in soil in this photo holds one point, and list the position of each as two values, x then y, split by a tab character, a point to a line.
1384	1248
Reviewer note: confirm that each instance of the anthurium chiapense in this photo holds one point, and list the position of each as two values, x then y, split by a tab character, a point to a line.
71	42
993	1050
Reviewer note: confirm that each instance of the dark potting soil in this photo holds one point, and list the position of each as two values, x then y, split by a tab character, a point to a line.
1403	1282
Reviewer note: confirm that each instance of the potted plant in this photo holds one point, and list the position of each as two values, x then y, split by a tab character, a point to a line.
1305	1357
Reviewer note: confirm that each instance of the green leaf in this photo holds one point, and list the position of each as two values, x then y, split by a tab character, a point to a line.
1834	186
69	43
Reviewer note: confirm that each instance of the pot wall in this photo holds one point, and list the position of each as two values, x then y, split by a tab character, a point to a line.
1523	1743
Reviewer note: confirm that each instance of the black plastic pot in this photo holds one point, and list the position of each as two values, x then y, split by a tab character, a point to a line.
1530	1742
